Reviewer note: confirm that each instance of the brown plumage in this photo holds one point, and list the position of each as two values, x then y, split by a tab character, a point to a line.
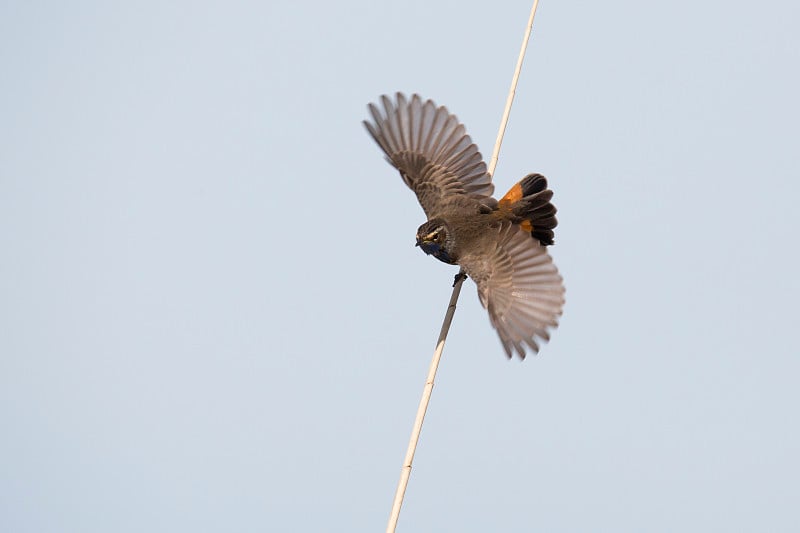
491	240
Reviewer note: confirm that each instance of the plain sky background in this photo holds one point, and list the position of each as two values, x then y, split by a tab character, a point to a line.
213	317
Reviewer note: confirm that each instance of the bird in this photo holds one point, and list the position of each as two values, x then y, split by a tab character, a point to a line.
500	244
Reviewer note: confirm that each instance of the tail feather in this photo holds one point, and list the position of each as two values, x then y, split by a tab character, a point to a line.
528	204
533	183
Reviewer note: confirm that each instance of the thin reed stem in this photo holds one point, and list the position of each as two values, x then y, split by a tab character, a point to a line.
512	91
405	473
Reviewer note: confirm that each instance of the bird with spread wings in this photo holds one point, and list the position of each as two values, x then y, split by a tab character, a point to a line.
500	244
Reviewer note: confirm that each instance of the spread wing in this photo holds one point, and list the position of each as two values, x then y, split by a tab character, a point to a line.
520	287
432	151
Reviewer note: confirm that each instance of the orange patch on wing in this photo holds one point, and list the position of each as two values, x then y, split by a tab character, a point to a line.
513	196
526	226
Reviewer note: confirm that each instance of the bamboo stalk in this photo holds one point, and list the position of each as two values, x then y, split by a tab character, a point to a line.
512	91
405	472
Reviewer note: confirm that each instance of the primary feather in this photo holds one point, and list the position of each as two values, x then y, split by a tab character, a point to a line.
432	151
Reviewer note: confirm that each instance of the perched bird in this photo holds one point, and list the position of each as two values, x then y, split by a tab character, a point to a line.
501	244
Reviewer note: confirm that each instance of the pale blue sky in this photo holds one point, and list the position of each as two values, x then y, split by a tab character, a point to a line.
213	317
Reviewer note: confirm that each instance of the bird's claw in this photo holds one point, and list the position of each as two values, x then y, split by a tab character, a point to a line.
459	277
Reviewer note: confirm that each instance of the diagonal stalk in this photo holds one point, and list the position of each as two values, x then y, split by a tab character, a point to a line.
405	473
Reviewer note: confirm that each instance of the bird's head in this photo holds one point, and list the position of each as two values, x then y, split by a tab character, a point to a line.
434	239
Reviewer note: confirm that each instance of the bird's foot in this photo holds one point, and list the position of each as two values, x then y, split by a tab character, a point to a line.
459	277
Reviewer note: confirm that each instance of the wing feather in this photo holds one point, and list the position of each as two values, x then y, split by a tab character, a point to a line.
520	287
431	149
